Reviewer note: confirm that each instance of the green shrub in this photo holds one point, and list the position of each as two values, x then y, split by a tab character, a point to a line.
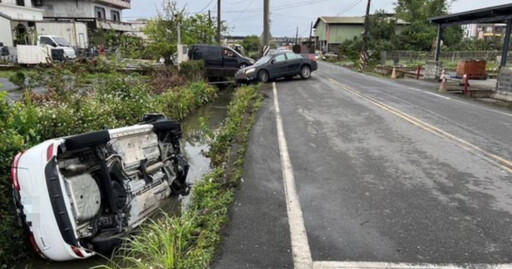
193	70
18	79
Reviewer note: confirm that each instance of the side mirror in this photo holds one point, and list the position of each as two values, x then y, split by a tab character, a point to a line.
272	61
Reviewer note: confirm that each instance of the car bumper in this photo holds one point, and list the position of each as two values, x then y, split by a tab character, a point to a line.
241	76
37	206
314	66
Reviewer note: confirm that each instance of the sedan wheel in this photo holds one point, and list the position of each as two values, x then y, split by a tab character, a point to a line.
305	72
243	65
263	76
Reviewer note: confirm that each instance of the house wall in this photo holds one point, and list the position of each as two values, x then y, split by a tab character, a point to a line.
5	32
340	33
16	12
76	9
321	31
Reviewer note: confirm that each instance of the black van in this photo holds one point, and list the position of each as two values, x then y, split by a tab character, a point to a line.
218	57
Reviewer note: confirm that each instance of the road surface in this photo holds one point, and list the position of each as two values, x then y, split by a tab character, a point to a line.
375	170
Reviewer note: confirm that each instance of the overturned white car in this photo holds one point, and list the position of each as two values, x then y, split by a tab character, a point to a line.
81	194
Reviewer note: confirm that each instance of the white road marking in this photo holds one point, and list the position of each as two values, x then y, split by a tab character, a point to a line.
299	238
438	95
386	265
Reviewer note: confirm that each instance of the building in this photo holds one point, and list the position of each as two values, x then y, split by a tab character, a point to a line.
484	30
138	27
97	14
17	21
332	31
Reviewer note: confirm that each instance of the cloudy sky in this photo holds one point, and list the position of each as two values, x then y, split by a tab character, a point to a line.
244	17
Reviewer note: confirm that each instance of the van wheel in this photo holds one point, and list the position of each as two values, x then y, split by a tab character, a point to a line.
263	76
305	72
243	65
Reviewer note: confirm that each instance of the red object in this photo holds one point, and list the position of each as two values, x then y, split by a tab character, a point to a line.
312	57
34	245
77	251
466	84
418	72
49	153
14	171
473	69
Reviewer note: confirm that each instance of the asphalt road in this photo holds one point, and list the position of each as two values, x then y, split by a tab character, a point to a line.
385	171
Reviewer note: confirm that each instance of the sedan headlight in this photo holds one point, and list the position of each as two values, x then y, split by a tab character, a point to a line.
250	70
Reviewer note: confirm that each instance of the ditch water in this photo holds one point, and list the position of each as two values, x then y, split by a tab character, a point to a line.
194	144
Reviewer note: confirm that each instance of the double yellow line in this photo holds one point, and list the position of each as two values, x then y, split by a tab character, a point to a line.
490	157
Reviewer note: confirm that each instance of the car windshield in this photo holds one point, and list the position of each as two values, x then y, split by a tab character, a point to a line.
61	42
263	60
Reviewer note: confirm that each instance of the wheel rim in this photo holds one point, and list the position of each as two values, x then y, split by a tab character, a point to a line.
305	72
243	65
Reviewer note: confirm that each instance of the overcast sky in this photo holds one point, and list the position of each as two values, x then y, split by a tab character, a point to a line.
244	17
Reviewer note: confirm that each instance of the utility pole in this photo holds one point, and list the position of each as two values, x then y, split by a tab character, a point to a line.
209	25
266	24
364	49
297	36
218	21
310	31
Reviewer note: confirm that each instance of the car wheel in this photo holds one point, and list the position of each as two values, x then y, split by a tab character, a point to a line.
305	72
243	65
263	76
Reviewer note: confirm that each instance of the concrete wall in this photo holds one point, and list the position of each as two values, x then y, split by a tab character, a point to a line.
504	80
78	9
5	32
21	12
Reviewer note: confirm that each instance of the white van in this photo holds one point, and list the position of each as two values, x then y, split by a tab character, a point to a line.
57	42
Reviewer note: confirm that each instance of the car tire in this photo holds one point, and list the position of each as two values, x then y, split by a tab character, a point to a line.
263	76
243	65
305	72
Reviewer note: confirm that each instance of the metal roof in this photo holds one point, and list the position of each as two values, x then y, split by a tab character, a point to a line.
359	20
485	15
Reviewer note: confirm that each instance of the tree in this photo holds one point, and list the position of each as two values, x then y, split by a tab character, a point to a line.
251	43
420	34
162	31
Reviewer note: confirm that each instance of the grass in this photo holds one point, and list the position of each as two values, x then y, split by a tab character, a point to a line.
189	241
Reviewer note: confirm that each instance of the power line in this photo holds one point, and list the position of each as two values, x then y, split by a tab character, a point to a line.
206	6
242	13
350	7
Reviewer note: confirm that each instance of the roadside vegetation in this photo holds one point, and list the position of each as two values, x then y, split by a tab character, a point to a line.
189	241
79	100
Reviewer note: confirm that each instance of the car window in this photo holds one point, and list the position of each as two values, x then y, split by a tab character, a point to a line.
229	53
292	56
46	41
280	58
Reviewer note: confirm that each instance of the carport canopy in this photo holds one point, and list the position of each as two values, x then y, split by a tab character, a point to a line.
496	14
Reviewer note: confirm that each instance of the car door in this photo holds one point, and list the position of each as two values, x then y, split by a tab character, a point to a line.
229	58
278	66
293	63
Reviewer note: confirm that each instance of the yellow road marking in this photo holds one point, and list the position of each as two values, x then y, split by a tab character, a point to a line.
493	158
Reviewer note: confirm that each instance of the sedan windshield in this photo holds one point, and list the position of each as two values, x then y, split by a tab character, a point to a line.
263	60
